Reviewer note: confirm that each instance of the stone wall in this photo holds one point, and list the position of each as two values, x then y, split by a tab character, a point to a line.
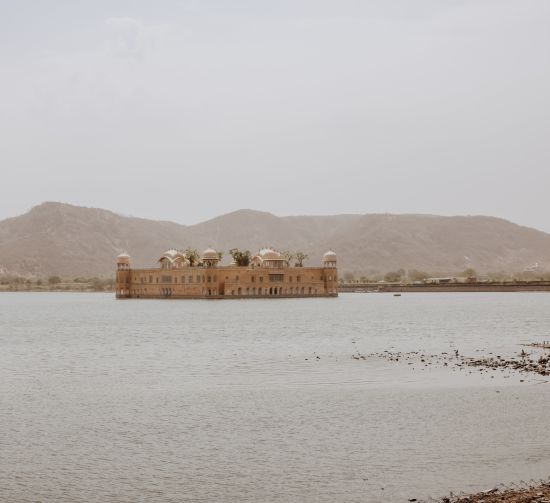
227	282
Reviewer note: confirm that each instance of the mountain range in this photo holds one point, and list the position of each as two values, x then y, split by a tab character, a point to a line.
73	241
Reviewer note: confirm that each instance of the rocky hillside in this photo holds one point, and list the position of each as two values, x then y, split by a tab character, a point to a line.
69	241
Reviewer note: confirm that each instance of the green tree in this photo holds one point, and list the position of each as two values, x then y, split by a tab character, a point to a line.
288	256
349	277
300	257
54	280
220	256
192	256
470	273
394	276
416	275
97	284
241	258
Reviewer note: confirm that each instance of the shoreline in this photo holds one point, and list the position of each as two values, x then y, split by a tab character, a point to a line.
516	286
55	291
392	290
539	492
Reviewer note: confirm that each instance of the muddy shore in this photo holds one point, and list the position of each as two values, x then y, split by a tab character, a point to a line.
535	494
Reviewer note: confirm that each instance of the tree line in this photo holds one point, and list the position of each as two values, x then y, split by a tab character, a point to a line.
95	284
414	275
243	258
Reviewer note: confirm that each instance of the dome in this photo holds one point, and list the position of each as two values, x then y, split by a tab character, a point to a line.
180	259
329	256
171	253
123	257
269	254
210	254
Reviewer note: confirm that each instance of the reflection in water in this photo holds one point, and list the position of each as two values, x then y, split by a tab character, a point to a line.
261	400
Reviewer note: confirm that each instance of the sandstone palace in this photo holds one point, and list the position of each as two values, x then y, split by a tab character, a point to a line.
181	275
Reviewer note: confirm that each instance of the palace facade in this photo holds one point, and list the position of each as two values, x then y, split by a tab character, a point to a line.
268	275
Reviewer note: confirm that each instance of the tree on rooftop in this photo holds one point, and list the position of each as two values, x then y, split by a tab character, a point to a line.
288	256
241	258
300	257
192	256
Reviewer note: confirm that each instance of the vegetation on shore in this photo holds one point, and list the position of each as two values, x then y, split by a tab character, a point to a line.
56	284
414	276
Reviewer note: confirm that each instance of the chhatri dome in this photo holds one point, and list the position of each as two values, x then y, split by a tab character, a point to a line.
269	254
329	259
172	259
210	257
171	253
210	254
329	256
123	261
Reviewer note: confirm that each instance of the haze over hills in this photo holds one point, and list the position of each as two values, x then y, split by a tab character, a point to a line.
72	241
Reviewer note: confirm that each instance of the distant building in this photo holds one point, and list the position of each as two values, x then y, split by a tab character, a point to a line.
268	275
532	268
448	280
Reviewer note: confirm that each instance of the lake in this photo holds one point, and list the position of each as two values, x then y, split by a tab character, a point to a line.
260	400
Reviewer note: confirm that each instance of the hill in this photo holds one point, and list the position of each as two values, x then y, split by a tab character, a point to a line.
70	241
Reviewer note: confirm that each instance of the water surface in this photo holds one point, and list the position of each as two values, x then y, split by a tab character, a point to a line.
261	400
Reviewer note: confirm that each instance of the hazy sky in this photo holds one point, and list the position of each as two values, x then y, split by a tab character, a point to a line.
183	110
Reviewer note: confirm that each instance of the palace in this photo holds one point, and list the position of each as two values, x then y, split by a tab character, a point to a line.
268	274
